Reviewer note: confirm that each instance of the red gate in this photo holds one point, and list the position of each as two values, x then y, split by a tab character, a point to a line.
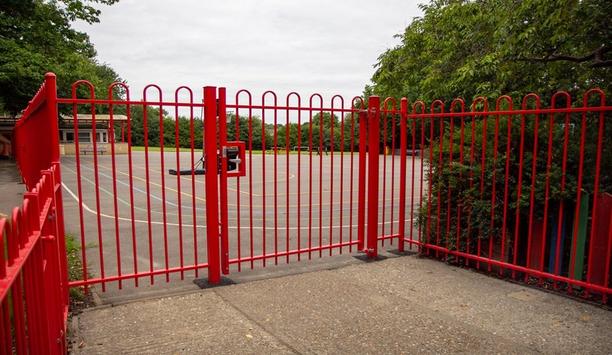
296	187
297	227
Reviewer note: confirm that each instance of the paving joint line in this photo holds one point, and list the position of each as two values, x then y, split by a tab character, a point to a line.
250	319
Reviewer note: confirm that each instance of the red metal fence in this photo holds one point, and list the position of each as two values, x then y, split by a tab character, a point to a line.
33	277
494	189
522	193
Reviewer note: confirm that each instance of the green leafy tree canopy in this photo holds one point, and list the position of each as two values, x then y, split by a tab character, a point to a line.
36	37
463	48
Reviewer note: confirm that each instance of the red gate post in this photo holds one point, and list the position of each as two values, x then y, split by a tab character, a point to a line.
212	195
223	183
402	193
52	115
373	148
363	132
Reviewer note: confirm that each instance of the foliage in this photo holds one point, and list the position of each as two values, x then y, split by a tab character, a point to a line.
249	131
482	190
36	37
466	49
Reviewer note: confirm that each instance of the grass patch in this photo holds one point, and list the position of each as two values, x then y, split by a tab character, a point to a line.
78	298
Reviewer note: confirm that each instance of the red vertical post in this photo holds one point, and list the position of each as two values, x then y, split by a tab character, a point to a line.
362	180
51	102
223	183
373	149
212	194
402	192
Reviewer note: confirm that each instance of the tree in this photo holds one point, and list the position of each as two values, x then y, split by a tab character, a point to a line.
494	47
36	37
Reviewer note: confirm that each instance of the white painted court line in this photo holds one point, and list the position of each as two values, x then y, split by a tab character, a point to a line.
88	209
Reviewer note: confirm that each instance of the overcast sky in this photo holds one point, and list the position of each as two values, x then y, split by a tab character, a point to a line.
321	46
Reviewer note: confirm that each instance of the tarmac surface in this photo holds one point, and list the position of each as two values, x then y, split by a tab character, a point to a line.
11	188
136	217
402	304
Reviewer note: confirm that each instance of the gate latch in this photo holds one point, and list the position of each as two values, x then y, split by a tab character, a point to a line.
234	152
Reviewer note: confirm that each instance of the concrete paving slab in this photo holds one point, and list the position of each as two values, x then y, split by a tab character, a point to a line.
196	323
397	305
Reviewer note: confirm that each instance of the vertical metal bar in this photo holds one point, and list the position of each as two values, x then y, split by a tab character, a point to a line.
163	186
483	162
373	152
402	184
421	177
77	160
440	164
212	196
341	146
578	199
331	176
250	120
222	115
310	180
494	189
385	115
177	147
6	339
361	198
549	154
351	175
97	188
449	199
412	173
263	171
287	162
392	214
18	290
471	179
430	177
275	183
321	138
506	179
519	191
561	216
595	207
534	160
238	236
131	183
287	207
147	183
111	137
299	179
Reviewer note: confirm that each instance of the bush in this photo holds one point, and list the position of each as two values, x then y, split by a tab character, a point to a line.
471	191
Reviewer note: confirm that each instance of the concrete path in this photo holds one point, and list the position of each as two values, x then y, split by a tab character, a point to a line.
11	188
398	305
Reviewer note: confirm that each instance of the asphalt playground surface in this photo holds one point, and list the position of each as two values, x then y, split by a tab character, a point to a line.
271	209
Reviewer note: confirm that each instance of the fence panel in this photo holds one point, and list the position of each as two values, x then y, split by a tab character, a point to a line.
33	270
33	294
523	193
